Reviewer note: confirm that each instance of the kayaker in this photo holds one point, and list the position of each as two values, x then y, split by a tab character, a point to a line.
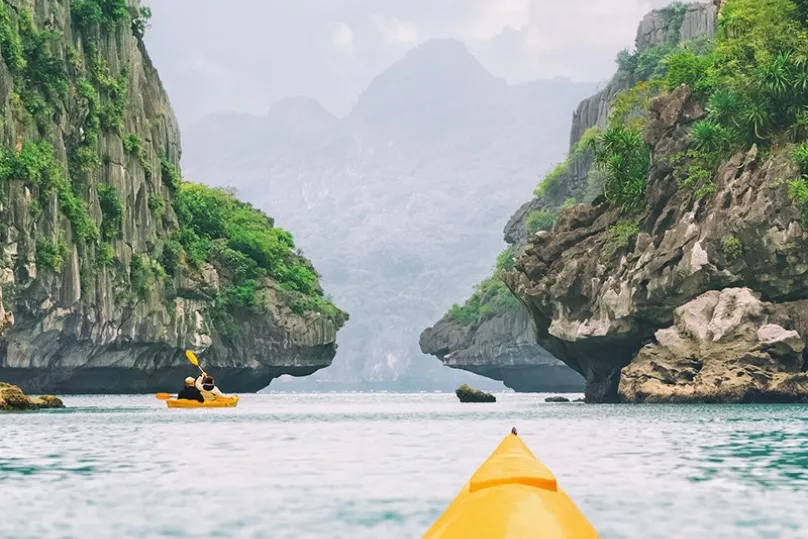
190	392
207	387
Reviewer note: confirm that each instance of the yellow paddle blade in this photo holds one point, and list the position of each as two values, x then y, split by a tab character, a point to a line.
191	357
163	396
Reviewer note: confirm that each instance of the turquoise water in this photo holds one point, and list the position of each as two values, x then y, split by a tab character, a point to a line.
385	466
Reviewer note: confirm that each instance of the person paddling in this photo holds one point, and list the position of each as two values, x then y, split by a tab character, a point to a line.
207	387
190	391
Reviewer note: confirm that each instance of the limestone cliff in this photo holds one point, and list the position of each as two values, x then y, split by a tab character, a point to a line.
108	264
685	280
502	344
598	301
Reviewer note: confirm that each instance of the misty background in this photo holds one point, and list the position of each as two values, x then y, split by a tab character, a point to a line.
393	138
243	55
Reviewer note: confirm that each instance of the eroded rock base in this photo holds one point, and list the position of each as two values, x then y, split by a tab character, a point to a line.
110	380
532	378
726	346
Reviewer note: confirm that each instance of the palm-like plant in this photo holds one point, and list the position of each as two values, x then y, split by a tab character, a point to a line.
800	155
777	75
723	106
707	135
756	114
623	158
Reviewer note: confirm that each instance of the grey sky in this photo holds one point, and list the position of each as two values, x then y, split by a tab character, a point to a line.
242	55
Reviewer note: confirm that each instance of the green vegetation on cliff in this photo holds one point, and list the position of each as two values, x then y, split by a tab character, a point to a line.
552	186
754	84
540	220
218	228
491	296
753	81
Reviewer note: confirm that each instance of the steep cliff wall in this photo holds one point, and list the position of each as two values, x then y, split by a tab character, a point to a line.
502	340
112	265
686	281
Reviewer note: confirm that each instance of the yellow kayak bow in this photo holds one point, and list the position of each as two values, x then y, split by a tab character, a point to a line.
512	496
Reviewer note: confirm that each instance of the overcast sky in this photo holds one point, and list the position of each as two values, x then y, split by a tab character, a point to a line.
242	55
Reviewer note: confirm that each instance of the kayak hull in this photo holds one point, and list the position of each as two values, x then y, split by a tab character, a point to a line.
512	496
227	402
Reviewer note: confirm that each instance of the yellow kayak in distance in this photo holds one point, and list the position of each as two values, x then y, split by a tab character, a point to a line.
228	402
512	496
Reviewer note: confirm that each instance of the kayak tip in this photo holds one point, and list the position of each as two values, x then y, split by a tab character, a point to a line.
513	431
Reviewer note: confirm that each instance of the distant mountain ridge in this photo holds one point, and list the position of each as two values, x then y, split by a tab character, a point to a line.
400	203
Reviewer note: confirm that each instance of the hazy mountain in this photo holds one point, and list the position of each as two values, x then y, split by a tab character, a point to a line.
401	204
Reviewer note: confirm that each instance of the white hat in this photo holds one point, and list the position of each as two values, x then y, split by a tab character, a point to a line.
189	381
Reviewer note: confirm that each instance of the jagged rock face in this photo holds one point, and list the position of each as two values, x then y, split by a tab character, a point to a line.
595	307
659	26
504	348
726	346
74	333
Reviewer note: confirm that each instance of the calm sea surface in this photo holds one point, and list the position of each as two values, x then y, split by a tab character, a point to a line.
386	465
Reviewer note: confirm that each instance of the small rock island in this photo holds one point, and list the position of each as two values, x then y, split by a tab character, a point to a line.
13	399
468	394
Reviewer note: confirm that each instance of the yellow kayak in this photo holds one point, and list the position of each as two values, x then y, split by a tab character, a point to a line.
228	402
512	496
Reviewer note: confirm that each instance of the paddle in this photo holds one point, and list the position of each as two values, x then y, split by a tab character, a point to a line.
192	358
163	396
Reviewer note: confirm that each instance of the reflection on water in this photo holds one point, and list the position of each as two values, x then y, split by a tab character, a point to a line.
385	466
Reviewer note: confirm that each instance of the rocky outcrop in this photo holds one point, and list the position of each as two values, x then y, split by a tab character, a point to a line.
13	399
80	328
597	302
504	348
726	346
468	394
